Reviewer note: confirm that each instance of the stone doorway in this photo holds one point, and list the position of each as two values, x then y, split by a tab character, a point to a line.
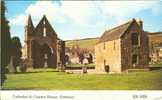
106	67
48	56
43	56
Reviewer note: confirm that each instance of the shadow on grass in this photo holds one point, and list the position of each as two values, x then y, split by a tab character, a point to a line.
18	89
33	72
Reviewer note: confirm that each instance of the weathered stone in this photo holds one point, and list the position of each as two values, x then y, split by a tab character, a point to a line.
42	46
155	46
122	48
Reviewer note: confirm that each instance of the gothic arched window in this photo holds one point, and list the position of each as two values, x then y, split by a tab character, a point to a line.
135	59
135	39
44	29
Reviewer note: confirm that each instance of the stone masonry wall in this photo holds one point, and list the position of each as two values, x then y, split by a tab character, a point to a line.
127	49
109	55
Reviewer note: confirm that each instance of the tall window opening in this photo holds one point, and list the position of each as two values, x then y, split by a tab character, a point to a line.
104	62
51	50
135	39
104	46
135	59
44	29
114	44
45	62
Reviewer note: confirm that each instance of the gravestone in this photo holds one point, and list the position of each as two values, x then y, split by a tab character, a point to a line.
85	62
10	66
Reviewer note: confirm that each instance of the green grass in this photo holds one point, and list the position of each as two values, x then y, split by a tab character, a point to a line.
52	80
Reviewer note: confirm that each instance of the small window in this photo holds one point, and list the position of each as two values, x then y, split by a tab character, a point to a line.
135	59
104	62
104	45
114	45
135	39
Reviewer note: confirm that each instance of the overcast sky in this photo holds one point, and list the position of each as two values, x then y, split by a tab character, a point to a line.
83	19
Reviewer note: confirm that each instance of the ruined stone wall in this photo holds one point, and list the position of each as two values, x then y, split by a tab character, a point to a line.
60	52
155	38
40	50
155	41
42	41
108	56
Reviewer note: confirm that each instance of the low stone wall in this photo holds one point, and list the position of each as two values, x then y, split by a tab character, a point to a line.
155	68
75	68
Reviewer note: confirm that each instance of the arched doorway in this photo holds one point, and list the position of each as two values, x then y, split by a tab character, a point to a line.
36	55
48	58
106	67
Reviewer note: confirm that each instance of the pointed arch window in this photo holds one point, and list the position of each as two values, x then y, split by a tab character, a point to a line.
51	50
135	59
135	39
44	29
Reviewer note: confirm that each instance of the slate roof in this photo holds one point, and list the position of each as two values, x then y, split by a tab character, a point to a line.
115	32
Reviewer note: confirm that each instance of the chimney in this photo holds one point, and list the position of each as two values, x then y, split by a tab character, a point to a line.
140	23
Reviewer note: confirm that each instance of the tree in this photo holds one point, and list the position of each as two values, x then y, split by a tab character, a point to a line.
5	43
81	58
16	52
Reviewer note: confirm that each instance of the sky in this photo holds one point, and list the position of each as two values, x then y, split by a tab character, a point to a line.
83	19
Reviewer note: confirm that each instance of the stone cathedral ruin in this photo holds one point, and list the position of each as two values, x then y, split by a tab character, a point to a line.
42	46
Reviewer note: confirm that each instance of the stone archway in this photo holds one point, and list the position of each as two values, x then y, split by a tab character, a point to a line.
44	43
48	56
37	55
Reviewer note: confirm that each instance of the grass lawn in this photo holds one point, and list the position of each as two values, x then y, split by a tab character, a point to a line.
50	79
